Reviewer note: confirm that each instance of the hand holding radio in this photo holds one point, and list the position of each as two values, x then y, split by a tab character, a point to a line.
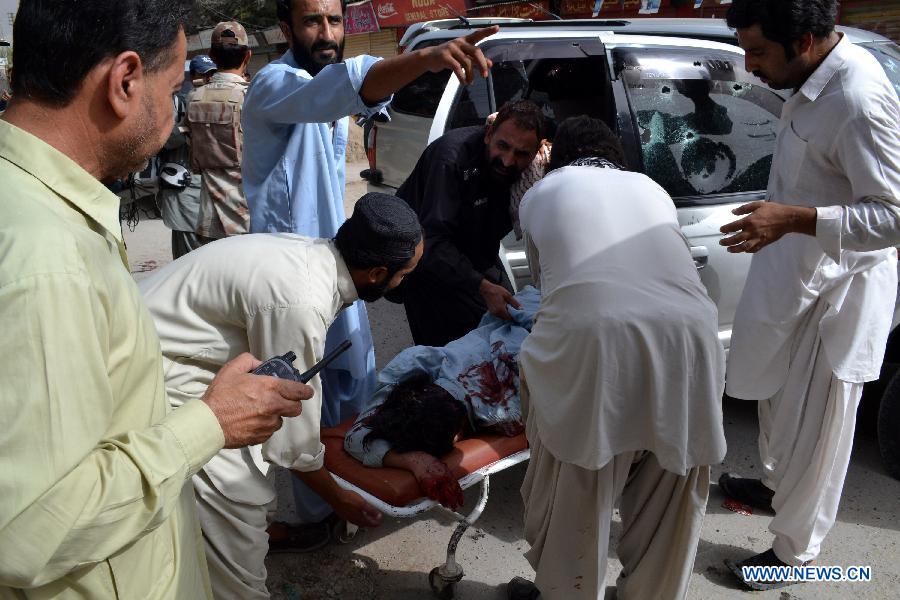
250	408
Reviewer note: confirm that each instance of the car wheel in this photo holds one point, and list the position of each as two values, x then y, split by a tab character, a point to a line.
889	426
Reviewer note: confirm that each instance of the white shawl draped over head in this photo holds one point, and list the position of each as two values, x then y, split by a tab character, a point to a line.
624	354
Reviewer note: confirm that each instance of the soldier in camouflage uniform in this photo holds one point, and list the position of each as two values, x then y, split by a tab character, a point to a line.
214	124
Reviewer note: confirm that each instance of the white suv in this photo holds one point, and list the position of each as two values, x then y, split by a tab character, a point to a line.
396	145
688	114
676	91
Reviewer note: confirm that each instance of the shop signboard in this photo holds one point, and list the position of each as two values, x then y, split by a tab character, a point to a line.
538	10
360	18
400	13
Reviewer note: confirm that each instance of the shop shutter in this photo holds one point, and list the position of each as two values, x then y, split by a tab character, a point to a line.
383	43
874	15
357	44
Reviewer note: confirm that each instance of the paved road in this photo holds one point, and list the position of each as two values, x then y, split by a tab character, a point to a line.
391	563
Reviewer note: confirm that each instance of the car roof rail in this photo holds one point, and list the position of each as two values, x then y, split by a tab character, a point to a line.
417	29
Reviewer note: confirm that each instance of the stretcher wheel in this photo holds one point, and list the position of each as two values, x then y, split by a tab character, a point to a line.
443	586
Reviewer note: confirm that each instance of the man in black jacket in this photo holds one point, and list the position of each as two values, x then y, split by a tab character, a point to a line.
460	191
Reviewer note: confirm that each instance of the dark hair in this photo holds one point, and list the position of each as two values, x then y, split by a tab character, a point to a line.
525	114
784	21
228	57
417	415
58	42
581	137
283	9
383	231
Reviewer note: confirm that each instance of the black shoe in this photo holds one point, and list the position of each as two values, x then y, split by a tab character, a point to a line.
748	491
765	559
298	539
520	588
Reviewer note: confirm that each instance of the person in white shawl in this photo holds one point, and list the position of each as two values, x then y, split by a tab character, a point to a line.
622	379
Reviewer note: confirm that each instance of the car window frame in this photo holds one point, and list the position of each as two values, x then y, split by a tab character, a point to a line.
550	47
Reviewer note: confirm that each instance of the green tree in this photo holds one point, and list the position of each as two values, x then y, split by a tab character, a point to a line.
254	15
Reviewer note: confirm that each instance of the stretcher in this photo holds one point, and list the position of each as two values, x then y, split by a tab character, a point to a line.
396	492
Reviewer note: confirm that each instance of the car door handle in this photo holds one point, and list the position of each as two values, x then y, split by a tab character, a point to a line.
700	254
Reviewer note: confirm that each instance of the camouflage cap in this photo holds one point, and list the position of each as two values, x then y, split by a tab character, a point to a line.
228	33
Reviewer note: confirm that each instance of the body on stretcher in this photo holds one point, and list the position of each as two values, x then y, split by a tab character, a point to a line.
397	493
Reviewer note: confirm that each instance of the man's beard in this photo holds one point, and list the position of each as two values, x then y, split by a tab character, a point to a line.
786	81
374	291
305	56
501	176
134	152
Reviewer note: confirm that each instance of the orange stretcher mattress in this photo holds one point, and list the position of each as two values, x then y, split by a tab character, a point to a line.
399	487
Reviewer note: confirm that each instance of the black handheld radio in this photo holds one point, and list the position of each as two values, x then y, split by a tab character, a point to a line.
283	368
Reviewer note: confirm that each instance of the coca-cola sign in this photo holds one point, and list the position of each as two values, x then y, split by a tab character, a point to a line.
386	10
399	13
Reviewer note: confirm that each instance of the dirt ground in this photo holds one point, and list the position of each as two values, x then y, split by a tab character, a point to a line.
392	561
356	152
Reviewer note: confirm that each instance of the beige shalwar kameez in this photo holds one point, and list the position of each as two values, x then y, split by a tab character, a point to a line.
94	466
266	294
623	376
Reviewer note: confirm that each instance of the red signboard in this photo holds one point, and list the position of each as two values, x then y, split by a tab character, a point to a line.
629	9
399	13
360	18
538	10
579	8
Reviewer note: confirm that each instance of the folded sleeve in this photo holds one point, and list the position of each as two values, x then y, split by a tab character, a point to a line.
298	328
861	227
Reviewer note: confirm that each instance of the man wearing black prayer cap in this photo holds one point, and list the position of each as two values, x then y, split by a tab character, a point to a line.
269	294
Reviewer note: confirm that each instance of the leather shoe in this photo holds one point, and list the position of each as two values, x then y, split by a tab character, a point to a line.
764	559
520	588
748	491
298	539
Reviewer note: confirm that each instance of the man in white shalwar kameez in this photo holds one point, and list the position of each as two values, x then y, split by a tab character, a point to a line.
814	317
622	378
